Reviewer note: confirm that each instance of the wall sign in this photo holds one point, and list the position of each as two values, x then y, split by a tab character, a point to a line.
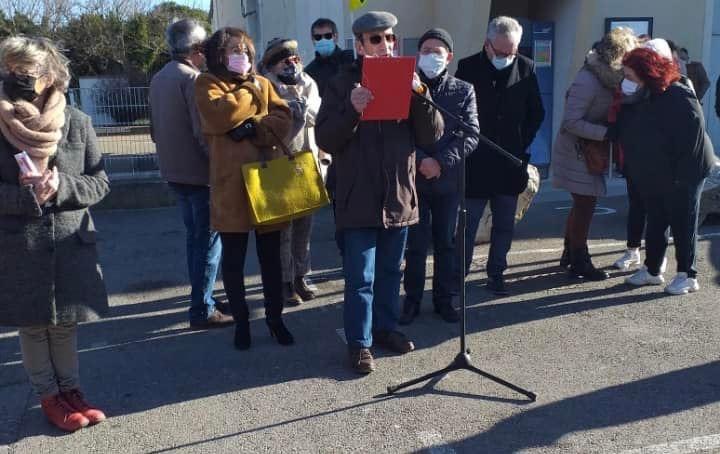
639	25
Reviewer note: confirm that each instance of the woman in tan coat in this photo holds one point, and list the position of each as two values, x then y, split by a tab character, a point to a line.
587	105
241	115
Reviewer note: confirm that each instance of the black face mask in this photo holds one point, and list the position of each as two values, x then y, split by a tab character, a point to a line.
289	76
20	87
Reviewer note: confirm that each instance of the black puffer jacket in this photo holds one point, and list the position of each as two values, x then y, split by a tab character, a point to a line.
374	160
322	69
664	141
458	97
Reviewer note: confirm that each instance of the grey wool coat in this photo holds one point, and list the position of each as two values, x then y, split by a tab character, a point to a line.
587	104
49	271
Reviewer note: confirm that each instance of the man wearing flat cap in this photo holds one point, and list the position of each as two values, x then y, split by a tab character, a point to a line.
438	181
376	200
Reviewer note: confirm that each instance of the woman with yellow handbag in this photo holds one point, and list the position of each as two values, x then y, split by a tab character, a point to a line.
241	116
282	66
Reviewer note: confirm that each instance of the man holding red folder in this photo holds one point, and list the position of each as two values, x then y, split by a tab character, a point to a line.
376	199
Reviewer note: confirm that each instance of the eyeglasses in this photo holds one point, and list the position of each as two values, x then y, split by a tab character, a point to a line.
498	53
377	39
319	36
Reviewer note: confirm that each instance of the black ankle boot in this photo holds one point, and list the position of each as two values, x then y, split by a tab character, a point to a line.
410	311
242	336
565	257
280	332
583	268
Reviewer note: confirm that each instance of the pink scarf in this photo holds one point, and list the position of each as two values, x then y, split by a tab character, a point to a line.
31	130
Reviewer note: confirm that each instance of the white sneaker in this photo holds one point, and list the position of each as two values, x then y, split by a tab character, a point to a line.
630	257
643	277
682	285
663	265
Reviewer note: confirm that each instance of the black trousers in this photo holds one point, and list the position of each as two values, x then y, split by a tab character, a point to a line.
636	216
233	269
679	210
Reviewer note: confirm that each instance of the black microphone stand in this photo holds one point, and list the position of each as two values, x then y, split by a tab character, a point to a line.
463	361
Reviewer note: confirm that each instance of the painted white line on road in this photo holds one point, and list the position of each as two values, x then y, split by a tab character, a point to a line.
599	211
691	445
591	246
122	344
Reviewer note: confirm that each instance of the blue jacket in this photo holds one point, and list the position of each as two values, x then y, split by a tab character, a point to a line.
457	97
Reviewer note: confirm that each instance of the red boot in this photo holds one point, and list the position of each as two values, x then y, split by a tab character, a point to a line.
61	414
77	401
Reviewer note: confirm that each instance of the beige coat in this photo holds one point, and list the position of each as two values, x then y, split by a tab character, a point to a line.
224	104
587	104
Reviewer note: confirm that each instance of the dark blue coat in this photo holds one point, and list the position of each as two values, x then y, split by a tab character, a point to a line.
458	97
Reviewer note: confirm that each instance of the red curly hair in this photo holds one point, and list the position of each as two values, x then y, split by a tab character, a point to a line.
657	72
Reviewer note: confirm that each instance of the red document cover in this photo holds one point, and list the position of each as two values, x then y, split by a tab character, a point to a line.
390	81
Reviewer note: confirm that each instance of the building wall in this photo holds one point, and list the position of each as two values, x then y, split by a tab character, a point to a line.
578	24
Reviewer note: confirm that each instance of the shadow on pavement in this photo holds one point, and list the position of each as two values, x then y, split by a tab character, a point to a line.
652	397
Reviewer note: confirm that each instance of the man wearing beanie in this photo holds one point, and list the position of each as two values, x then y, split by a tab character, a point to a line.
375	195
438	181
510	113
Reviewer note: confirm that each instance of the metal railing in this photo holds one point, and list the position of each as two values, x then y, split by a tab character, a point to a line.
121	117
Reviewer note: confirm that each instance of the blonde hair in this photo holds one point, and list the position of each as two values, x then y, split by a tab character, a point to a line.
615	44
36	52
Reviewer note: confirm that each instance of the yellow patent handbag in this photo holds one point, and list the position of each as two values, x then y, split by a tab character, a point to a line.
284	188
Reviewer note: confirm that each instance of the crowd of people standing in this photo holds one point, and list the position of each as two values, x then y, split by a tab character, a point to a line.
394	184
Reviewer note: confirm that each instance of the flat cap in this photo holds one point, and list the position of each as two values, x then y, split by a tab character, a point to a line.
374	20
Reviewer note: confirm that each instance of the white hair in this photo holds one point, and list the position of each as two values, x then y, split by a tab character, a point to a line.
35	53
507	26
182	35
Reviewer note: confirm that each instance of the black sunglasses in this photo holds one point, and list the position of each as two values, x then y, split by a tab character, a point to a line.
318	36
377	39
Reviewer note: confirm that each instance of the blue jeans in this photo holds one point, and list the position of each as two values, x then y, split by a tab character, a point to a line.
438	220
371	264
203	247
501	235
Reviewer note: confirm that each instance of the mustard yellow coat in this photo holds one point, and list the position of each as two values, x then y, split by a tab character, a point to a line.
224	103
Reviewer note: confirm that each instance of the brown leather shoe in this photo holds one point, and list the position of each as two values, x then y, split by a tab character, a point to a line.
216	320
361	360
291	296
395	341
302	289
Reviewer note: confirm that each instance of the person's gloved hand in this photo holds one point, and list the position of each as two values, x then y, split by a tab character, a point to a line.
298	107
246	130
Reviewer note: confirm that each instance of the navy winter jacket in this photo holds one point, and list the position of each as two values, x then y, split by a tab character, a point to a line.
458	97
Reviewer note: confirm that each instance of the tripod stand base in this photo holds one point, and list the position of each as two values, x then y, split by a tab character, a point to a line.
461	362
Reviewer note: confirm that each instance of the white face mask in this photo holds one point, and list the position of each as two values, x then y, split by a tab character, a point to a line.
502	63
629	87
432	64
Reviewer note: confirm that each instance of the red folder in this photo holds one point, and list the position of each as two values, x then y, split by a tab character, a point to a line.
390	81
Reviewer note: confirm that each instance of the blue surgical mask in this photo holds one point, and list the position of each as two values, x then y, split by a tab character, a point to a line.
432	65
325	47
629	87
502	63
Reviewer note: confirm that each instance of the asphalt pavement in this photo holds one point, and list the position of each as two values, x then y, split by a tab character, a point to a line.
616	369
